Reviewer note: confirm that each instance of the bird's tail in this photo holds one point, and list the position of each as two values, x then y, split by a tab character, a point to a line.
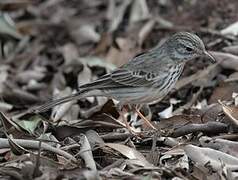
56	102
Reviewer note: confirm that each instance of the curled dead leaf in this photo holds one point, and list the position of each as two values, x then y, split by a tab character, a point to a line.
60	111
223	92
232	29
226	60
130	153
226	146
86	153
231	112
210	159
231	49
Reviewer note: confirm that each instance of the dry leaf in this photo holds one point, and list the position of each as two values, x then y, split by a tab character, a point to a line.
139	11
130	153
200	78
210	159
116	14
60	111
226	60
231	49
145	31
231	112
127	51
223	92
231	29
226	146
7	26
86	153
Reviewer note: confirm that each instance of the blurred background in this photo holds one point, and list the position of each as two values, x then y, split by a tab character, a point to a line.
50	47
44	44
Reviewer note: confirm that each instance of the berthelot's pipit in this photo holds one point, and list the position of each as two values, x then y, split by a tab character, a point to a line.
147	78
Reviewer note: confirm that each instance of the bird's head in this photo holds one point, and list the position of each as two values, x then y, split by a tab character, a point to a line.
184	46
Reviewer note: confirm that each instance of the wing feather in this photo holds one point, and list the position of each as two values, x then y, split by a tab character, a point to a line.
138	78
133	74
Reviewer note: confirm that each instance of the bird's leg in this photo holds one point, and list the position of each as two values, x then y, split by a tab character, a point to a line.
122	113
148	123
122	110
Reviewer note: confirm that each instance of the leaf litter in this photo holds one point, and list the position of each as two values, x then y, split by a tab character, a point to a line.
49	48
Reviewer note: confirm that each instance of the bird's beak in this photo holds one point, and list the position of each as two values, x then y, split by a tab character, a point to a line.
207	54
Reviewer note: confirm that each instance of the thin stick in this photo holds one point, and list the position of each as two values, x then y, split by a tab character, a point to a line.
148	123
35	145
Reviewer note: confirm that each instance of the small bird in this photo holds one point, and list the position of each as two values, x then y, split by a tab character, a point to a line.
145	79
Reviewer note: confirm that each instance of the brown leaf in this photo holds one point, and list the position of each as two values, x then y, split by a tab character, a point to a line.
130	153
16	148
145	31
139	11
200	78
231	49
127	51
86	153
14	5
61	110
209	158
211	112
231	112
223	92
179	121
229	147
226	60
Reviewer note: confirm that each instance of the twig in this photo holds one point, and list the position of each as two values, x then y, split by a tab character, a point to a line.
37	171
115	136
231	137
209	127
35	145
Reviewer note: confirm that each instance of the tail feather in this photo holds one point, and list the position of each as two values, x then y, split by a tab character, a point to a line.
56	102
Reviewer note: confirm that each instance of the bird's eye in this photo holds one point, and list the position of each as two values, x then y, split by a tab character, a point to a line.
188	49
